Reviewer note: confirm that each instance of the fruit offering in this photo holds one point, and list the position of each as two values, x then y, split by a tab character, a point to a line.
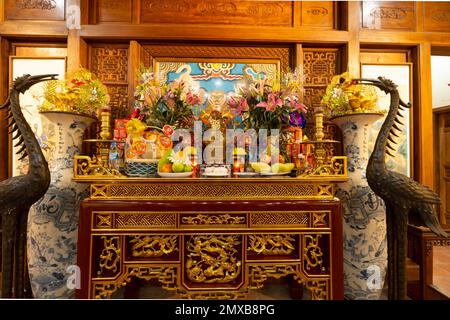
175	162
262	167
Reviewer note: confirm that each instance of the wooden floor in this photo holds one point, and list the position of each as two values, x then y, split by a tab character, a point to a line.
441	269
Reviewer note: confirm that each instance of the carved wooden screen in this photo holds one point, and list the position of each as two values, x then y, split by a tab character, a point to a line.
110	64
319	65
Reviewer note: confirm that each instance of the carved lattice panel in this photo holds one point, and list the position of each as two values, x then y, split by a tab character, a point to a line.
320	65
110	63
283	54
118	101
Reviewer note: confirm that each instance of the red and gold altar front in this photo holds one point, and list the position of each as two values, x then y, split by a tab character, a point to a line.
210	238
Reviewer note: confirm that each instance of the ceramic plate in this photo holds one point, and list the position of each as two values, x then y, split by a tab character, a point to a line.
215	174
274	174
175	174
245	174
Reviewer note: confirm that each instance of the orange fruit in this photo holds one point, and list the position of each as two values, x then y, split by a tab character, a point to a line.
166	167
281	159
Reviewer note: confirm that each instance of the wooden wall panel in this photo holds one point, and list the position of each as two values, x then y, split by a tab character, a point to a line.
383	57
436	16
318	14
398	15
319	66
114	11
255	13
53	10
110	64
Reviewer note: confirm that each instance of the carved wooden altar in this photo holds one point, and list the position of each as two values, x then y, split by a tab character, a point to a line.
210	238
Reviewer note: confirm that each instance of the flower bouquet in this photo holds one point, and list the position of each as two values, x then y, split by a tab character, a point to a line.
81	93
160	104
264	104
344	96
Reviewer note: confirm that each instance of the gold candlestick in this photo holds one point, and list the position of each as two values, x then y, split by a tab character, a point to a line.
319	150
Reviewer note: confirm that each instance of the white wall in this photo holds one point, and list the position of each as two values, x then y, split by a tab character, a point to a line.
440	77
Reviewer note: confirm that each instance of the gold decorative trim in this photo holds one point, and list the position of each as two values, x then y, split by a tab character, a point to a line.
86	168
213	258
258	274
166	275
153	246
216	295
271	244
337	167
103	220
312	252
130	220
280	218
110	255
321	219
211	219
219	191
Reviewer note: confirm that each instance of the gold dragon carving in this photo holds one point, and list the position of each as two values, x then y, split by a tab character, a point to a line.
153	246
213	258
271	244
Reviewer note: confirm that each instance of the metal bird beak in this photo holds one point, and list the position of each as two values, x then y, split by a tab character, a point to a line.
373	82
377	83
24	83
39	78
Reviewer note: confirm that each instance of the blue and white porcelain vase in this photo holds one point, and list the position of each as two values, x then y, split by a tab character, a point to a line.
365	246
53	220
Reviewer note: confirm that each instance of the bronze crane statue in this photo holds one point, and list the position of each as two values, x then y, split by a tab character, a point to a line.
17	194
407	201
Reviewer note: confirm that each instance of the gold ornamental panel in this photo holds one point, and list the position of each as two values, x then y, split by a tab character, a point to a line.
212	295
151	246
142	219
280	219
217	191
258	274
134	220
213	258
313	254
110	256
166	276
272	244
209	219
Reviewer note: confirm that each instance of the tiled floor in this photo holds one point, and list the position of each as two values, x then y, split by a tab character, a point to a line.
441	269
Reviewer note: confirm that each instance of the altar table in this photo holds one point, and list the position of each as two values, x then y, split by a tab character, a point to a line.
215	238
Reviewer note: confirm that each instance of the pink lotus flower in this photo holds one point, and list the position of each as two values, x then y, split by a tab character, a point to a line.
273	101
